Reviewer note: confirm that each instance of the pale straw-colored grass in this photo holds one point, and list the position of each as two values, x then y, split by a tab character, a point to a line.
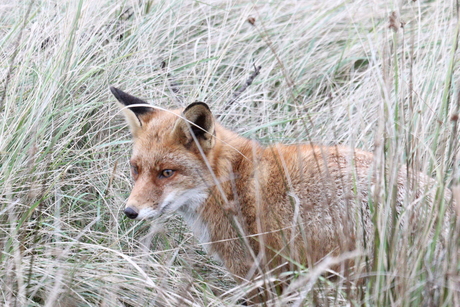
333	72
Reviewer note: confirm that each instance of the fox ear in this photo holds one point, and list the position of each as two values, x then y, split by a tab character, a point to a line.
136	116
199	122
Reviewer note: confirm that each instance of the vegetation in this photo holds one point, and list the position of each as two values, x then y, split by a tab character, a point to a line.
377	75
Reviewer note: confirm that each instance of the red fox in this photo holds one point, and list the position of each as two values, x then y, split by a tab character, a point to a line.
254	207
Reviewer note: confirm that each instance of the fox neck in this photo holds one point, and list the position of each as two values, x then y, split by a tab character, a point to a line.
199	228
218	222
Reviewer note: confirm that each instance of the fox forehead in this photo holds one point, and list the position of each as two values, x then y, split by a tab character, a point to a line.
155	145
158	157
156	127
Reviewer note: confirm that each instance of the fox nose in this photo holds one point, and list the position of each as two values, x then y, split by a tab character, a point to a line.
131	213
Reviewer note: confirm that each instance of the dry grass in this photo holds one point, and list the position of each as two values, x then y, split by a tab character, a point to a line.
333	72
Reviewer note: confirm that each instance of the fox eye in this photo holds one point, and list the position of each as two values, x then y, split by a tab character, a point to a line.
166	173
134	170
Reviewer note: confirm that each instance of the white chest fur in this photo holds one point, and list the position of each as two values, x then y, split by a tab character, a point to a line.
190	214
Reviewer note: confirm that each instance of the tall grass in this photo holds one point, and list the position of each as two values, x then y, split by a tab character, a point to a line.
381	76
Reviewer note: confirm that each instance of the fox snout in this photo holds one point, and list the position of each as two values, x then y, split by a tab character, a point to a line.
131	212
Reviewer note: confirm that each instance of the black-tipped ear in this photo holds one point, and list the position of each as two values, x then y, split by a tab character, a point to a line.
127	100
199	121
200	114
135	116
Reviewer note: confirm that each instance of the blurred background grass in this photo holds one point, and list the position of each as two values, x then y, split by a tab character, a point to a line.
378	75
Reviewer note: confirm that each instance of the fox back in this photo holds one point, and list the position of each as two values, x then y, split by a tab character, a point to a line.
255	208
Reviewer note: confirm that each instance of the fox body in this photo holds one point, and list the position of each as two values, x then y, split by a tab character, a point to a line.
252	207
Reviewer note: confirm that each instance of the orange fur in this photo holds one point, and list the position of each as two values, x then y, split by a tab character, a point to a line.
255	208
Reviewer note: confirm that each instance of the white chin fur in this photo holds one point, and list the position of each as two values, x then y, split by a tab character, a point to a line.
186	204
187	201
147	213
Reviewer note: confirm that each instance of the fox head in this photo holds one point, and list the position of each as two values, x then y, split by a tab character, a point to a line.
169	159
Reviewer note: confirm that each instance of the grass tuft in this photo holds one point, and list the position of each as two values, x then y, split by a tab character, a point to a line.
371	75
